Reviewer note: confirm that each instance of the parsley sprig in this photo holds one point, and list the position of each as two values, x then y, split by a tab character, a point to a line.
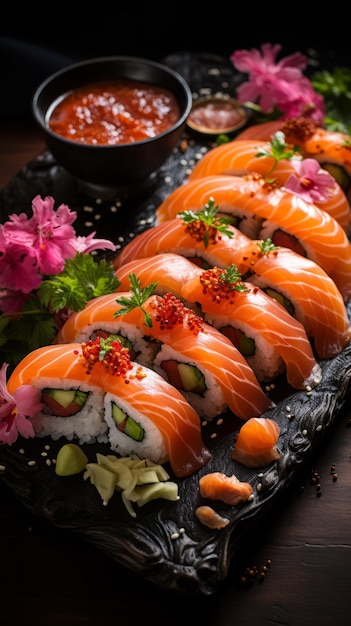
232	277
42	314
278	149
137	299
267	245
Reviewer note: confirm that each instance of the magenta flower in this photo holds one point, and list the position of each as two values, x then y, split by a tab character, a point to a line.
12	301
18	265
89	244
15	410
277	84
311	182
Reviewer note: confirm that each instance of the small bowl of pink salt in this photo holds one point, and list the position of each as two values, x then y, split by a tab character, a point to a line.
217	115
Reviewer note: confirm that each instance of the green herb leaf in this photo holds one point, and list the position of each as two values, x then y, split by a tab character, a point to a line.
278	149
137	299
208	216
82	279
335	87
267	246
232	277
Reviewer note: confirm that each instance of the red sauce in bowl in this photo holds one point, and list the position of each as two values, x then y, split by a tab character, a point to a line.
114	113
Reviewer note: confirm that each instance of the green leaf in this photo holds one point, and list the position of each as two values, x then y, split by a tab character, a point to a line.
82	279
208	216
267	246
137	299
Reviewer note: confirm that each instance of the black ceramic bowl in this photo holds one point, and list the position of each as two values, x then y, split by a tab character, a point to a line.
111	167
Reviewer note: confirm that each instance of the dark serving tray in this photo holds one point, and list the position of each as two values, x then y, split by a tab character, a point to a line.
165	543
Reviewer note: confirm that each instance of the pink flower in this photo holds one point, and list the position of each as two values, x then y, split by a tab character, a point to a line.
311	182
12	301
50	232
15	410
276	84
18	265
89	244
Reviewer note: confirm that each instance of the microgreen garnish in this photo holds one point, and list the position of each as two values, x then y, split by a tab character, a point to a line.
209	222
267	246
137	299
232	277
44	311
278	149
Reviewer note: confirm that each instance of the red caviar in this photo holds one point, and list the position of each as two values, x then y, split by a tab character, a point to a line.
197	230
216	283
112	354
170	312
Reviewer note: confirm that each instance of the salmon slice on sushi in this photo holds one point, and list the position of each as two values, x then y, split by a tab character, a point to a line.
282	216
331	148
72	404
304	289
278	163
203	237
197	359
269	338
98	319
168	272
194	195
141	413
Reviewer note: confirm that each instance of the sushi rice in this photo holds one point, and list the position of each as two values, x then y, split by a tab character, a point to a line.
88	425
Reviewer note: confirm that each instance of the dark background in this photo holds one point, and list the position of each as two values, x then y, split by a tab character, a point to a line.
39	38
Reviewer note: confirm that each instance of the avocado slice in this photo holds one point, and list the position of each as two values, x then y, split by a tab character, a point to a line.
339	173
192	378
287	304
63	402
127	424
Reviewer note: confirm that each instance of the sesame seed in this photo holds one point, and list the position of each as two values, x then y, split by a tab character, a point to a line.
259	487
304	432
319	427
175	536
2	468
31	463
214	435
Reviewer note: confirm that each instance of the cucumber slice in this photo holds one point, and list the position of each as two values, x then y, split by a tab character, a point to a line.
127	424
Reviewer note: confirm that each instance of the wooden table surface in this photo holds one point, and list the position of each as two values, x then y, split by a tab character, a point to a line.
48	577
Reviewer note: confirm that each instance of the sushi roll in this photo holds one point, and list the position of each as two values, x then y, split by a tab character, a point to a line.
203	237
167	270
137	411
242	157
198	360
72	404
266	334
304	289
98	319
194	195
283	217
330	148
